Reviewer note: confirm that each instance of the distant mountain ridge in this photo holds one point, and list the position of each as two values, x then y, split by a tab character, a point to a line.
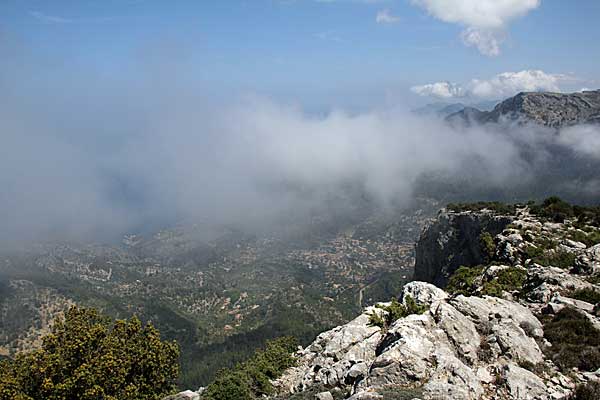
443	109
554	110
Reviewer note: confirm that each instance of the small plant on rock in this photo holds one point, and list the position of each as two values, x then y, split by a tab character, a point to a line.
575	341
465	280
588	295
558	258
506	280
470	281
394	311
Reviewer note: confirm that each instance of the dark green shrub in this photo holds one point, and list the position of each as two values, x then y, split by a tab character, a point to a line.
252	379
575	341
401	393
589	238
588	295
488	246
539	369
469	281
464	280
588	391
88	357
395	311
508	279
553	209
533	252
595	280
558	258
587	215
229	385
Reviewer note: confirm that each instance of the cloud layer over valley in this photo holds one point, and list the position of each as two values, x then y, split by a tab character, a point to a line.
94	157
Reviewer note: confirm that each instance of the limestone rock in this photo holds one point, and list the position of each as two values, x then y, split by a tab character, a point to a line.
186	395
523	384
589	261
554	110
438	351
423	293
324	396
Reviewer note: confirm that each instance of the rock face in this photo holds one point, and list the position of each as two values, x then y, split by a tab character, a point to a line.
484	340
461	348
186	395
452	240
467	347
554	110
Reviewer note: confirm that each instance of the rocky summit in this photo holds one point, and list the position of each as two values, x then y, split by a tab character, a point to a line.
516	317
553	110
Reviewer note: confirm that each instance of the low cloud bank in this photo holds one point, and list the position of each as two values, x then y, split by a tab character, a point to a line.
95	161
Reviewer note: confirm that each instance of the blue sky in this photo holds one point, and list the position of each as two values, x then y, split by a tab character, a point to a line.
302	50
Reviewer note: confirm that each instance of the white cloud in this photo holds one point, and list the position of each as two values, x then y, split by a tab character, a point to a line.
510	83
54	19
442	90
502	85
485	21
386	17
51	19
489	14
584	140
487	42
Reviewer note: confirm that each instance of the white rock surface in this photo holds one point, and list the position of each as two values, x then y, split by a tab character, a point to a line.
438	351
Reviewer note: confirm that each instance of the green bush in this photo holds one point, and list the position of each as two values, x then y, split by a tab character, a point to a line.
553	209
488	247
558	258
534	252
87	357
401	393
588	391
595	280
252	379
464	280
575	341
589	295
587	215
508	279
589	238
469	281
395	311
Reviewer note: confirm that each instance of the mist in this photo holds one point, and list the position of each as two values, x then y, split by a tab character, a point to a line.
90	157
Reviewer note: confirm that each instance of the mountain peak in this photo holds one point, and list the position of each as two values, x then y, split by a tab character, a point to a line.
554	110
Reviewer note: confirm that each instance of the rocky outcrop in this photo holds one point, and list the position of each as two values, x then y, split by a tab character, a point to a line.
186	395
472	346
521	321
461	348
554	110
452	240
